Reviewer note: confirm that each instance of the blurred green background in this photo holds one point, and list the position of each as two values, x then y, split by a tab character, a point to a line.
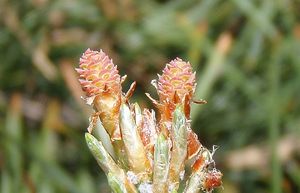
246	54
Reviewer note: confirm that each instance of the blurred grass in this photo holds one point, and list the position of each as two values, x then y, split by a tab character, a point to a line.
246	54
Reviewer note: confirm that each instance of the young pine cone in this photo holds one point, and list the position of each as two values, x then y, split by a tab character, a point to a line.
150	156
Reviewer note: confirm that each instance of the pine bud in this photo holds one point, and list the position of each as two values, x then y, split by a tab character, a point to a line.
98	75
177	79
100	80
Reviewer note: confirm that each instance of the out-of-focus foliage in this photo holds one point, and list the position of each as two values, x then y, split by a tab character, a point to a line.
247	57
